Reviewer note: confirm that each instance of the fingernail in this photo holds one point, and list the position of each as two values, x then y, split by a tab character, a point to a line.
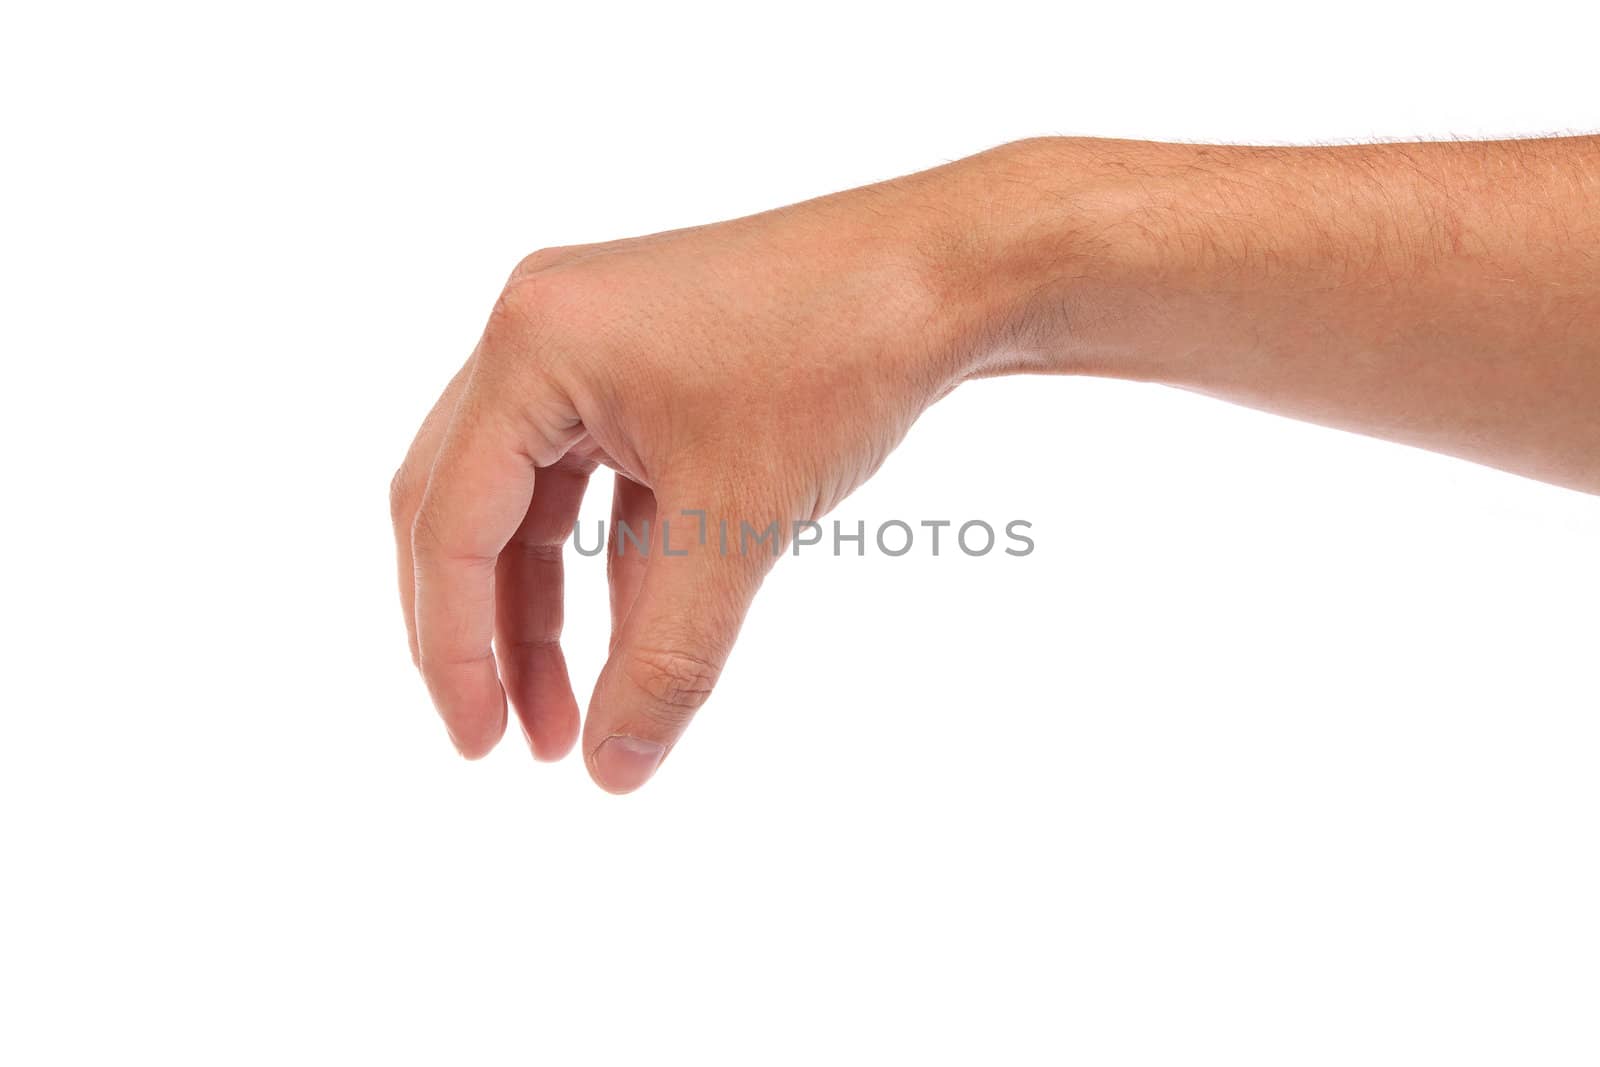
622	763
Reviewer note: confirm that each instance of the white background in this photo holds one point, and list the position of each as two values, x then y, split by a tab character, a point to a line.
1281	748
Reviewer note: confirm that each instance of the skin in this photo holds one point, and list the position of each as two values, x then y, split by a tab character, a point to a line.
1441	295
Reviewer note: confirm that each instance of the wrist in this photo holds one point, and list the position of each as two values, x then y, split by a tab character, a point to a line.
1048	254
1082	256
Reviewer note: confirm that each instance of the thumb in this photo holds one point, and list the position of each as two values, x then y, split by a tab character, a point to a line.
671	648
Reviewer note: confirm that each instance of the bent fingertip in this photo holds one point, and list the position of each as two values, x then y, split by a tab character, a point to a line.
471	750
476	743
547	748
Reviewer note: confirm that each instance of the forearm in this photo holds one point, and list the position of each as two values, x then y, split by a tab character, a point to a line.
1444	295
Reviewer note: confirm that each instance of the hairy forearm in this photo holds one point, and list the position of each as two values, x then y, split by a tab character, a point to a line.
1445	295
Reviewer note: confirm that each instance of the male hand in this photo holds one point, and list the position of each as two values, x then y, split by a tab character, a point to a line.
756	370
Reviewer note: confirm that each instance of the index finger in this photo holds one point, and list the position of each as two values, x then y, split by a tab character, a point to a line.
477	496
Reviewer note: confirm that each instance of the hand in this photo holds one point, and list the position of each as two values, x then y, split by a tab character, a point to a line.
756	370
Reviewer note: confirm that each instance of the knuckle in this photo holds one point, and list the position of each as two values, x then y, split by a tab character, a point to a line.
535	262
512	308
399	496
424	534
547	298
531	304
676	682
437	541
